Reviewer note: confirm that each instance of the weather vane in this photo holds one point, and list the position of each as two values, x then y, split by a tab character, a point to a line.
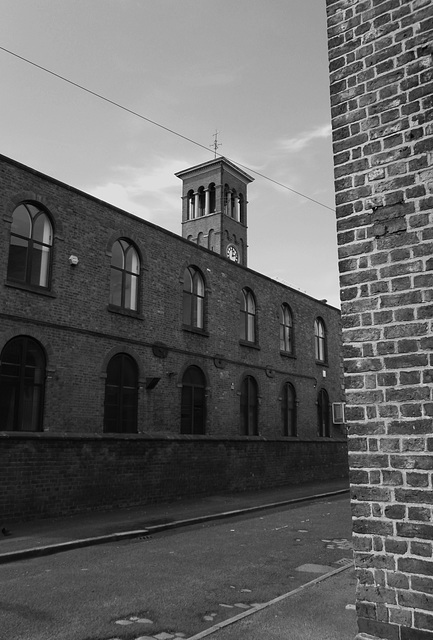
215	143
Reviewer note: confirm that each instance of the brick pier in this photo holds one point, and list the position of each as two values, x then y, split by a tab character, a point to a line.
381	79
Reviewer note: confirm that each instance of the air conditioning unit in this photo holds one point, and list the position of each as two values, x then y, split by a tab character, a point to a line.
338	413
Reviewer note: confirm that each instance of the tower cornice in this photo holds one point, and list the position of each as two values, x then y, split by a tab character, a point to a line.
211	164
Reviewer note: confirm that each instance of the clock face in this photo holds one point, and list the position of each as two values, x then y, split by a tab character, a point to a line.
232	253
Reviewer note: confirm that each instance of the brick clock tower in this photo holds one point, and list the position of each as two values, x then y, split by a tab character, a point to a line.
214	207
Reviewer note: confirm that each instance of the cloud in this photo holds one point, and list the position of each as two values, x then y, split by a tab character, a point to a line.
153	194
303	139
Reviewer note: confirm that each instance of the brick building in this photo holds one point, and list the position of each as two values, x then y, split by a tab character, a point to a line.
137	365
381	73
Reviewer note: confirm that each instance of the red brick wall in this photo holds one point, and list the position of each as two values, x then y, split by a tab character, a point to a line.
44	476
381	74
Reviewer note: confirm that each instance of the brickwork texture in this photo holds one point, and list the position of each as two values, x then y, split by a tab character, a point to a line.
52	475
381	83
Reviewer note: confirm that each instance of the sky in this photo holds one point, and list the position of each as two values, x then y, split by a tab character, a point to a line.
256	71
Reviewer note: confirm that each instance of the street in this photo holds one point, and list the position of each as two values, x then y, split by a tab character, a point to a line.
177	583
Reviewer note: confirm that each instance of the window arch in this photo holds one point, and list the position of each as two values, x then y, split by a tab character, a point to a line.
248	316
22	385
193	298
320	340
125	275
323	420
286	329
193	402
30	250
121	395
249	408
288	410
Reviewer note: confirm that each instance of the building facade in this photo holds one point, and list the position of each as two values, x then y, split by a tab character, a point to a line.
116	333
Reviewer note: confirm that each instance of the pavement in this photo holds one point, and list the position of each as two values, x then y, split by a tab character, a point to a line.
321	609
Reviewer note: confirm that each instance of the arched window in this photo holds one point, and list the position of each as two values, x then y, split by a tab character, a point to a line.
121	395
193	404
242	209
233	205
125	274
190	205
210	240
227	200
201	201
193	298
320	340
30	246
288	410
22	382
249	407
286	329
248	316
212	198
323	414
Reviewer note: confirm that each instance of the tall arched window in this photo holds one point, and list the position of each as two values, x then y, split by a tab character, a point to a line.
286	329
320	340
121	395
248	316
227	200
22	382
241	209
323	419
193	403
288	410
249	407
190	205
125	274
212	197
201	201
30	246
193	298
233	205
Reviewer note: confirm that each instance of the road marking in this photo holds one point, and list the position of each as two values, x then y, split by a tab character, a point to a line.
245	614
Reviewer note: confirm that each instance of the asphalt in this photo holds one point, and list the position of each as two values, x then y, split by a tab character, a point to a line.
322	609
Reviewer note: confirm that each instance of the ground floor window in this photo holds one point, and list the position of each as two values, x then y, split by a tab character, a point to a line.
288	409
121	395
323	414
193	403
249	407
22	382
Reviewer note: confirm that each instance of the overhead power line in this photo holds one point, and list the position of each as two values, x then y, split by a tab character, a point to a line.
157	124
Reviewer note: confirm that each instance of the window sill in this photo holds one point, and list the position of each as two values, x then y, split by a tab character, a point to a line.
26	287
124	312
251	345
321	363
287	354
196	330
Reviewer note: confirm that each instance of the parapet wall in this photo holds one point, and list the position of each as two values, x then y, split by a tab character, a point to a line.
381	79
